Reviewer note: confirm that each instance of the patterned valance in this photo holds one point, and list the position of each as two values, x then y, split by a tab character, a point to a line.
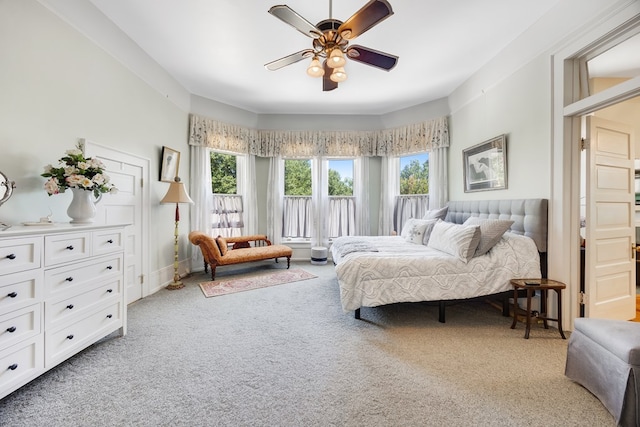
415	138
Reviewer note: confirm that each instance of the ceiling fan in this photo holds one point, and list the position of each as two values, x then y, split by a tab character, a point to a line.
331	41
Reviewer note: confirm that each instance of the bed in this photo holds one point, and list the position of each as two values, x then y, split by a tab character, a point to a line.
380	270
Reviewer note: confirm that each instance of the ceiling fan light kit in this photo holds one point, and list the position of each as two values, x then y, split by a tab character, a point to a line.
331	41
315	68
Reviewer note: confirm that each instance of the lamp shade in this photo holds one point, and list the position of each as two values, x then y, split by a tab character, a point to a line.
336	58
176	193
315	68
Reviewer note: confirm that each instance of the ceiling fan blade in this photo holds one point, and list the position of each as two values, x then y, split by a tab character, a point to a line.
369	15
384	61
327	83
288	60
289	16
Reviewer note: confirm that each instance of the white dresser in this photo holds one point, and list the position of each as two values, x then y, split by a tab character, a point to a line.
61	289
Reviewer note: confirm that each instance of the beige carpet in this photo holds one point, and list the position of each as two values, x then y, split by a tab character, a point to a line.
288	356
247	283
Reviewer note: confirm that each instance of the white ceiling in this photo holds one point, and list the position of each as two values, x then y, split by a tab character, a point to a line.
217	49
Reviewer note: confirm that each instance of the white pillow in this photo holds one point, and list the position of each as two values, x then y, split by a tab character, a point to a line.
491	231
457	240
436	213
417	230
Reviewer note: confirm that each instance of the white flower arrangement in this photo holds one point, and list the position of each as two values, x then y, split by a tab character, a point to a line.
77	172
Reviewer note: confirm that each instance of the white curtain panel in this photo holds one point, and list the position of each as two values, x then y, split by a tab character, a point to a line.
200	180
320	204
438	172
275	199
389	189
246	182
361	193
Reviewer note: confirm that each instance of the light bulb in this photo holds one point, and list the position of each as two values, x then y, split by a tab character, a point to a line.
338	75
315	68
336	58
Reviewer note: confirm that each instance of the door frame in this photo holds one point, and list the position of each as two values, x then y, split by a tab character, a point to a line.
567	109
93	148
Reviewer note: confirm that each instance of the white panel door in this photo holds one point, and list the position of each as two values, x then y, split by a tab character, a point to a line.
610	267
126	206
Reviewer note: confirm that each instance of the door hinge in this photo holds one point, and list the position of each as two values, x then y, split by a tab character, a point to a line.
583	298
142	279
584	144
141	182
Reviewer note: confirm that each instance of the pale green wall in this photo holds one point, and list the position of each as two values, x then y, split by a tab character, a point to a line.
57	86
518	106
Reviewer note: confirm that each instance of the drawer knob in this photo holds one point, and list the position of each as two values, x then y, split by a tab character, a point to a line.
70	336
70	247
109	290
69	279
13	367
12	294
109	267
109	316
11	256
70	306
11	329
110	241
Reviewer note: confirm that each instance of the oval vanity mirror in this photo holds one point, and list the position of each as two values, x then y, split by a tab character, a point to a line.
6	188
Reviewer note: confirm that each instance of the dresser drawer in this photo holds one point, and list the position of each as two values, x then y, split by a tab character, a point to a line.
68	309
74	278
20	364
20	254
19	325
20	290
107	241
59	248
65	341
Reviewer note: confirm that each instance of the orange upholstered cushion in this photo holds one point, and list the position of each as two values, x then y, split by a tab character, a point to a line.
222	244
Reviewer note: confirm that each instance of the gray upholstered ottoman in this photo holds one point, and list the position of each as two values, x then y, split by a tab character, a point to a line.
604	357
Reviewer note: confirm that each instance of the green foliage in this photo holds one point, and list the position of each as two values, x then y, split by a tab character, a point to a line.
339	186
297	177
223	173
414	178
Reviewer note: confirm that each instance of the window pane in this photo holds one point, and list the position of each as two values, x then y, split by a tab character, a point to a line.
414	174
341	177
223	173
613	66
297	177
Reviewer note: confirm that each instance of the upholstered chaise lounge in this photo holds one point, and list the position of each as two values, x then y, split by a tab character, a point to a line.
215	251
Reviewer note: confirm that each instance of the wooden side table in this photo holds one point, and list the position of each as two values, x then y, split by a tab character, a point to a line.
542	285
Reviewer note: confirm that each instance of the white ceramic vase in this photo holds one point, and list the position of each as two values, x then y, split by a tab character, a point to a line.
82	209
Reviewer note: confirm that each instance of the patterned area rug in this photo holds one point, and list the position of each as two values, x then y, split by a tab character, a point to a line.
223	287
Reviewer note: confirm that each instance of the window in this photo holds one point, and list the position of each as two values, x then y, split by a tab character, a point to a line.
342	203
413	201
227	213
297	209
336	195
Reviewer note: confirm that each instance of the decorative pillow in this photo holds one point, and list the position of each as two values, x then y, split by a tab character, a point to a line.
491	231
457	240
414	230
436	213
222	244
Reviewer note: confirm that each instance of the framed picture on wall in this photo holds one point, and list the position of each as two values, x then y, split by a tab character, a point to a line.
485	165
169	164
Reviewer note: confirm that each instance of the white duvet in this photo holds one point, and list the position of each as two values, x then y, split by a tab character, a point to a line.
405	272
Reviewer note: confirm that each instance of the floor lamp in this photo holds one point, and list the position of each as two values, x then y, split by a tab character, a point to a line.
176	194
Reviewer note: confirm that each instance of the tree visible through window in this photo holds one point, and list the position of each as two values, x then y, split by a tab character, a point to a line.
414	174
341	177
223	173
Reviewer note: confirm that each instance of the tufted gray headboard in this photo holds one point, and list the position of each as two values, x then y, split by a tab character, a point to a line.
530	215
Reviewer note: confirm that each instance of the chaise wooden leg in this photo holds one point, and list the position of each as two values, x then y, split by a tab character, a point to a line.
288	262
206	267
213	272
